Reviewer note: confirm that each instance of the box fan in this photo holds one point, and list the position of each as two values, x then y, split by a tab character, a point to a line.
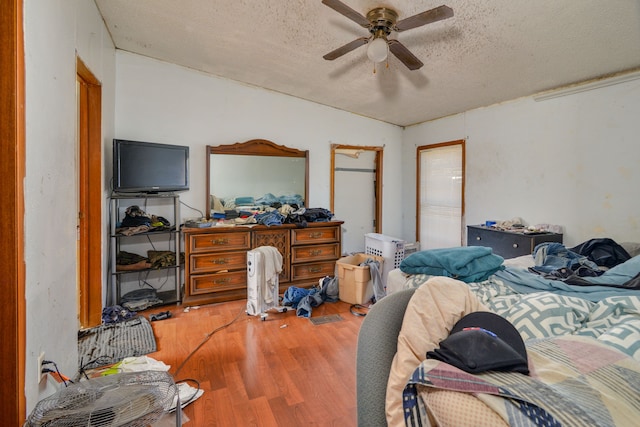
133	399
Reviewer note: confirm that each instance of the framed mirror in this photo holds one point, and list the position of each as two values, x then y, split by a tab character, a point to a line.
249	171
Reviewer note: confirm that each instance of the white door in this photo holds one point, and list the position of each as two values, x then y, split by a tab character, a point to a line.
354	196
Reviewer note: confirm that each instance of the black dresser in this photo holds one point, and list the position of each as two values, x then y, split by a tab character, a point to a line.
508	244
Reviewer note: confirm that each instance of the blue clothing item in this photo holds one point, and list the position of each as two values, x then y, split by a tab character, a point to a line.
270	218
116	313
307	302
246	200
524	282
268	199
293	199
293	295
619	274
550	256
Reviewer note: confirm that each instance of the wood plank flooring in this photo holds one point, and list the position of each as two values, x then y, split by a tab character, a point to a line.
284	371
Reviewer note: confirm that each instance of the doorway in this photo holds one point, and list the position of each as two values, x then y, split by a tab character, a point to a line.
89	244
440	194
356	193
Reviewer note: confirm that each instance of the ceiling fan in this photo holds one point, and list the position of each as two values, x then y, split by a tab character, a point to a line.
380	22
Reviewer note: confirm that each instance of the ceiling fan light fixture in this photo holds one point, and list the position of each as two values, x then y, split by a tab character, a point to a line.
378	50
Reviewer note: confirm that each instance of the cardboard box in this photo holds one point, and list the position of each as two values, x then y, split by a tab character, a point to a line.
354	281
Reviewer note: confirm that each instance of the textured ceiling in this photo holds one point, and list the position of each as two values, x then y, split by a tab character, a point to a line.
489	51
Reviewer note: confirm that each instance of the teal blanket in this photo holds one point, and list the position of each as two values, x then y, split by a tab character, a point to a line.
468	263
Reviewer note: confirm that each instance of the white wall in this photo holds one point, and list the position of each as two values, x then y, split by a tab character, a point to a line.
572	161
161	102
54	31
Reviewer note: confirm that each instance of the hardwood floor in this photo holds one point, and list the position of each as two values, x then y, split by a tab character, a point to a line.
284	371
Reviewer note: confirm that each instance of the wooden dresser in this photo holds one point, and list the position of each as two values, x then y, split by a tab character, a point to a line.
508	244
216	258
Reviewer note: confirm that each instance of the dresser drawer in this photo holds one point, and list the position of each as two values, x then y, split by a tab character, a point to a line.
219	242
315	253
212	262
306	236
312	270
217	282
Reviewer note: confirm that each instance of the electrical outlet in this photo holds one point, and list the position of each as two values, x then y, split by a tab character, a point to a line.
41	375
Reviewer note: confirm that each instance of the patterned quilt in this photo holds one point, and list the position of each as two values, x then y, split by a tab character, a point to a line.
613	320
544	319
574	381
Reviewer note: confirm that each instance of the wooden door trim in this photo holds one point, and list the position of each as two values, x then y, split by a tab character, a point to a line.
420	148
12	262
90	196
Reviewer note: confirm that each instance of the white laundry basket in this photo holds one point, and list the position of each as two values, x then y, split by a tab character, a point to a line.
389	248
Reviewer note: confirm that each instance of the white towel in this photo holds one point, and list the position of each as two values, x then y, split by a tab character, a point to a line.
272	268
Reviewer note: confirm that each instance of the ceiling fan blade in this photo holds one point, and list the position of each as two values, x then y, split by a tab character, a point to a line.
404	55
345	10
346	48
437	14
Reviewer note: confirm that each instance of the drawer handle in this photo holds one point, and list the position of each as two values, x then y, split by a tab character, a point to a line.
220	241
515	245
315	235
221	281
478	238
221	261
315	269
315	252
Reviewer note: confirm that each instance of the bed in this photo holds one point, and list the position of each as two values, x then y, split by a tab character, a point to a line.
420	310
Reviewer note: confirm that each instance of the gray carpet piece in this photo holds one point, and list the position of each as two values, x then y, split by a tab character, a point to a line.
110	343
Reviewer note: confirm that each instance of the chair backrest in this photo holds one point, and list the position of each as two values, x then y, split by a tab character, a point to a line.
377	344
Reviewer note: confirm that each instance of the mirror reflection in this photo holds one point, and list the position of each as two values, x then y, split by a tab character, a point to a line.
257	172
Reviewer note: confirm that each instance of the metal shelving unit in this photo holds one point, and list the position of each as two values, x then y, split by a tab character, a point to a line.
120	242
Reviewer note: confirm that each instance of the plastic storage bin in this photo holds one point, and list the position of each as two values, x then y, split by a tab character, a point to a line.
389	248
354	281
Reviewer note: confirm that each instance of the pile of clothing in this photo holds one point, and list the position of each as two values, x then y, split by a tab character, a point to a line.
303	299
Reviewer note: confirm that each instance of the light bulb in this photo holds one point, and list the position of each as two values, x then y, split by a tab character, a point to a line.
377	50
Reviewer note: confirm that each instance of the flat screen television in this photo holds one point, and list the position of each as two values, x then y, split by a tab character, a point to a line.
148	167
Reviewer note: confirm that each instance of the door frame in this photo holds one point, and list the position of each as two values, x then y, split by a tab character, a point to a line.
378	178
462	144
89	251
12	208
